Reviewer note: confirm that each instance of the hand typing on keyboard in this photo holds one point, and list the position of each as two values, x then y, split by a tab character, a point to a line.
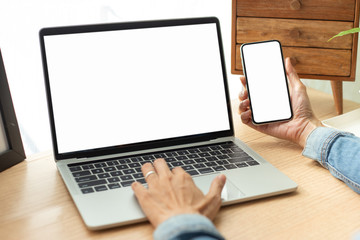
170	193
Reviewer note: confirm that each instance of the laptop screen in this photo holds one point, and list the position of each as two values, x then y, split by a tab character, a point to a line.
125	84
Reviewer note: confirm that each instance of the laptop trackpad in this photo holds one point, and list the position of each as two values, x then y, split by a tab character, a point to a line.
229	192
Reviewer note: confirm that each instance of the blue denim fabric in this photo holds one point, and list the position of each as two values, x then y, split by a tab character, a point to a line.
337	151
187	226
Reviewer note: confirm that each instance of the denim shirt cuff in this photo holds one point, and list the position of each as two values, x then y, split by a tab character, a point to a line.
186	226
318	143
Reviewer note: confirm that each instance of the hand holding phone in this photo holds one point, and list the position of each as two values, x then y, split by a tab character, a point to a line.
266	82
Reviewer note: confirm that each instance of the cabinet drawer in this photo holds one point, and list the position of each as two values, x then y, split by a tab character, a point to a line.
311	61
293	32
305	9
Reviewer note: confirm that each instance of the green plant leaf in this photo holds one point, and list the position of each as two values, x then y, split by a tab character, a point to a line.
354	30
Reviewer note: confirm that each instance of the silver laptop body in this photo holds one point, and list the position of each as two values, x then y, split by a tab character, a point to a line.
122	94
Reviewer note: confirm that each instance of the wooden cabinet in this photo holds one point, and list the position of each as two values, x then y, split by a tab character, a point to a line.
303	28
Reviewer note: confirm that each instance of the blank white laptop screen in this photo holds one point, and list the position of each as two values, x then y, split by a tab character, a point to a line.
130	86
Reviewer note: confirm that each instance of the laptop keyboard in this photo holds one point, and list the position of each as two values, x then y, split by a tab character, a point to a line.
114	173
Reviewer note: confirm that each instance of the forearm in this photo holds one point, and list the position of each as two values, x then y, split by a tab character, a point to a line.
187	226
337	151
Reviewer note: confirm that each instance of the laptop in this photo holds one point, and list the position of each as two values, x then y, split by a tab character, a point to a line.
123	94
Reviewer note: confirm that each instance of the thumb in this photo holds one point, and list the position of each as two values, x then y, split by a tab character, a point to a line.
212	202
217	185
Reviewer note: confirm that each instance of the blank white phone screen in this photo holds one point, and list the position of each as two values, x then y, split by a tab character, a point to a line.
266	82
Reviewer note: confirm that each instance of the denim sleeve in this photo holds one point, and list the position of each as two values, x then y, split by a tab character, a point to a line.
187	226
337	151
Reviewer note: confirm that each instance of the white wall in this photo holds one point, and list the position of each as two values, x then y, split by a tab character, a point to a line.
21	20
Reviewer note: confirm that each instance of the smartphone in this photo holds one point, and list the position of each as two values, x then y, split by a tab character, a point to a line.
266	82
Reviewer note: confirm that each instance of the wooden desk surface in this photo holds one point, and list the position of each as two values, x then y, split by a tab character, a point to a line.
34	203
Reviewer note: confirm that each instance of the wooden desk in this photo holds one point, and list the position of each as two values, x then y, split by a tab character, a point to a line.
34	203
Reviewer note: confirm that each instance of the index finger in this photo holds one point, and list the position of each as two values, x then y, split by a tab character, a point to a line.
161	167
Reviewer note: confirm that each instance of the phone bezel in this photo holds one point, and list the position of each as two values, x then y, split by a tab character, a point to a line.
286	81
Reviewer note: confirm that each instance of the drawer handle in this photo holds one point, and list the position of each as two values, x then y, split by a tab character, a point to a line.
295	4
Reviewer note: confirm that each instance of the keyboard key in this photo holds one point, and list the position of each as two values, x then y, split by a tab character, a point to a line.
116	173
75	169
230	166
204	149
148	157
109	169
113	163
171	154
252	163
182	152
241	165
225	151
100	165
129	171
127	183
141	180
136	159
200	165
215	153
236	150
236	160
97	170
193	172
132	165
92	183
200	160
87	190
183	157
138	175
86	178
211	158
211	164
138	169
193	155
223	156
124	161
103	175
114	179
170	159
126	177
160	155
101	188
204	154
216	147
247	158
219	168
122	166
194	150
82	173
222	162
87	167
114	185
189	162
206	170
177	164
187	167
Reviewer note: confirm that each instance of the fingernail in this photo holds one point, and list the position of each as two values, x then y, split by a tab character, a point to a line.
222	178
